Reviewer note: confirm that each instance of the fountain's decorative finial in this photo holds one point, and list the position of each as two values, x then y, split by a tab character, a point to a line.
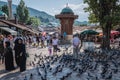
67	5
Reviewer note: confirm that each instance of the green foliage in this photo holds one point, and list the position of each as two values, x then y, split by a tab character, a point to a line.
22	12
103	11
107	13
35	22
4	8
92	18
83	24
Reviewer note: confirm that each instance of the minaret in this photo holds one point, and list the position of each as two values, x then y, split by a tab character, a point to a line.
10	9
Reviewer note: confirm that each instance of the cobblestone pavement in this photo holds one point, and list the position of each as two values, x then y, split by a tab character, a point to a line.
4	75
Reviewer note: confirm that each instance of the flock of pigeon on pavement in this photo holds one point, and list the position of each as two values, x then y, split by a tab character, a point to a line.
91	65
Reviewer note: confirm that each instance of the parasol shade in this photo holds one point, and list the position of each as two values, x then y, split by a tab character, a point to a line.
89	32
118	29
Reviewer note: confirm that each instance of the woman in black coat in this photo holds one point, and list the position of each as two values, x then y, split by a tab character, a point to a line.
21	54
17	52
9	63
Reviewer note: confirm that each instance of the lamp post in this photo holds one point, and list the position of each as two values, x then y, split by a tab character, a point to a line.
10	8
15	17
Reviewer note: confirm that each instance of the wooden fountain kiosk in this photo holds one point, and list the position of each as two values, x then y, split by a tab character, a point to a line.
67	18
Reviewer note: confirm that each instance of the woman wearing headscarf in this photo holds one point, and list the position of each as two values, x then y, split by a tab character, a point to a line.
9	63
20	52
17	51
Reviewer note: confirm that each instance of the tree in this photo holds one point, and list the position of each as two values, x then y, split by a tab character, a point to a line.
4	8
92	18
107	12
35	22
22	12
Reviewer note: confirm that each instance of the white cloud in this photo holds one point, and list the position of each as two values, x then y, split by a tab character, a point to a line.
78	9
54	11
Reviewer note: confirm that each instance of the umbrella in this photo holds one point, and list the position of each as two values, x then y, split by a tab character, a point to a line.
118	29
43	33
114	32
90	32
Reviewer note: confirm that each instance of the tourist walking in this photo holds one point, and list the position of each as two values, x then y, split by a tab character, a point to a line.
48	39
76	43
29	40
37	39
43	41
34	41
64	37
55	44
50	49
9	63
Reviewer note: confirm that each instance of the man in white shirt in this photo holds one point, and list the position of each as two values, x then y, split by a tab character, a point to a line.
57	35
48	39
76	42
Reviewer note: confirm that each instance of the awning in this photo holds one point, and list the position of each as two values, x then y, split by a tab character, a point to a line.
9	30
16	25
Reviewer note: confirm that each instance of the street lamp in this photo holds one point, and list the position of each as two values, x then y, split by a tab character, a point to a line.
15	17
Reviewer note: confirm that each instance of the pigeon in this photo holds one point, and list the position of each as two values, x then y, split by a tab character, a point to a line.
25	78
75	69
68	74
33	64
43	78
50	68
60	70
90	75
109	77
34	59
116	70
39	73
63	78
31	76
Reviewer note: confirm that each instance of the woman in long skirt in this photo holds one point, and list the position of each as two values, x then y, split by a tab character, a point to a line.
21	54
9	63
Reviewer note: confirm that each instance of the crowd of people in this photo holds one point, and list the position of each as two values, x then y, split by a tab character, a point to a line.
14	48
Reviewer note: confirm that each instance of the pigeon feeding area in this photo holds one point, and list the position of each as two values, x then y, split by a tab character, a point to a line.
91	65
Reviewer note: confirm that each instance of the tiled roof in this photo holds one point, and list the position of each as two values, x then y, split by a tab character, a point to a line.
16	25
3	24
23	27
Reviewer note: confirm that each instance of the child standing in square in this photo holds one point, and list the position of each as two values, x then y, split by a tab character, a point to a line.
50	49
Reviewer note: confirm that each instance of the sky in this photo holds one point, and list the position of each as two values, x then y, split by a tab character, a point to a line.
54	7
